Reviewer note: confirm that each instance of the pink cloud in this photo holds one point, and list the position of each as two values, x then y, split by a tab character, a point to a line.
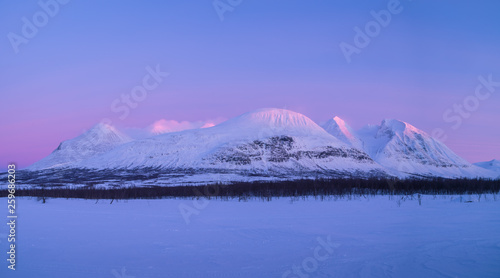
165	126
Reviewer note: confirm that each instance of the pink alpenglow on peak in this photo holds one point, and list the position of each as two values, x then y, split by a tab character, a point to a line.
267	141
344	127
342	131
165	126
405	150
207	125
275	120
400	128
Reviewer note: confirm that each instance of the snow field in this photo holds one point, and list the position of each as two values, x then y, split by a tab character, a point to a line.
445	236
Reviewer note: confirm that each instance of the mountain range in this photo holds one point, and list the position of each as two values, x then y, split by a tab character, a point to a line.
265	144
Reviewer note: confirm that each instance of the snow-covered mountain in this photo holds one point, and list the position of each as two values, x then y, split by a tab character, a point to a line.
99	139
342	131
492	165
263	144
405	150
273	140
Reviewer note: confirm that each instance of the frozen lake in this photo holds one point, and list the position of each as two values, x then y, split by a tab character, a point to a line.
445	236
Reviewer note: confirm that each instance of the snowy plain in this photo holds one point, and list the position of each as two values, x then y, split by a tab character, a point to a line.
373	236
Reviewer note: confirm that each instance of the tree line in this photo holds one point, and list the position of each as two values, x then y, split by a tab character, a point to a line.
269	189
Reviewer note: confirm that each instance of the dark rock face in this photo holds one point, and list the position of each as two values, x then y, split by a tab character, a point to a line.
275	150
281	149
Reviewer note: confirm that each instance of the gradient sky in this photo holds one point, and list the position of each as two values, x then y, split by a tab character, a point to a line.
281	54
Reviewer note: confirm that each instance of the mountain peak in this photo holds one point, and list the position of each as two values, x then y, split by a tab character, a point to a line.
277	117
493	164
342	131
270	139
103	132
103	127
404	148
97	140
393	126
274	120
344	127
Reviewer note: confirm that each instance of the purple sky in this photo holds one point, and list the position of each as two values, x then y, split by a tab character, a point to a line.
66	75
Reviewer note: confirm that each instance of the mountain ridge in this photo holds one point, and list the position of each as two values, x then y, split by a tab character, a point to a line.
98	139
269	142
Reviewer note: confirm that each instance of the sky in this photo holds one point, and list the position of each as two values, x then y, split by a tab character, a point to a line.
67	65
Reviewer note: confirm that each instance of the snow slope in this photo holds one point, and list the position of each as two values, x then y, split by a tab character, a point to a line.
405	150
342	131
263	140
150	238
268	144
492	165
99	139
